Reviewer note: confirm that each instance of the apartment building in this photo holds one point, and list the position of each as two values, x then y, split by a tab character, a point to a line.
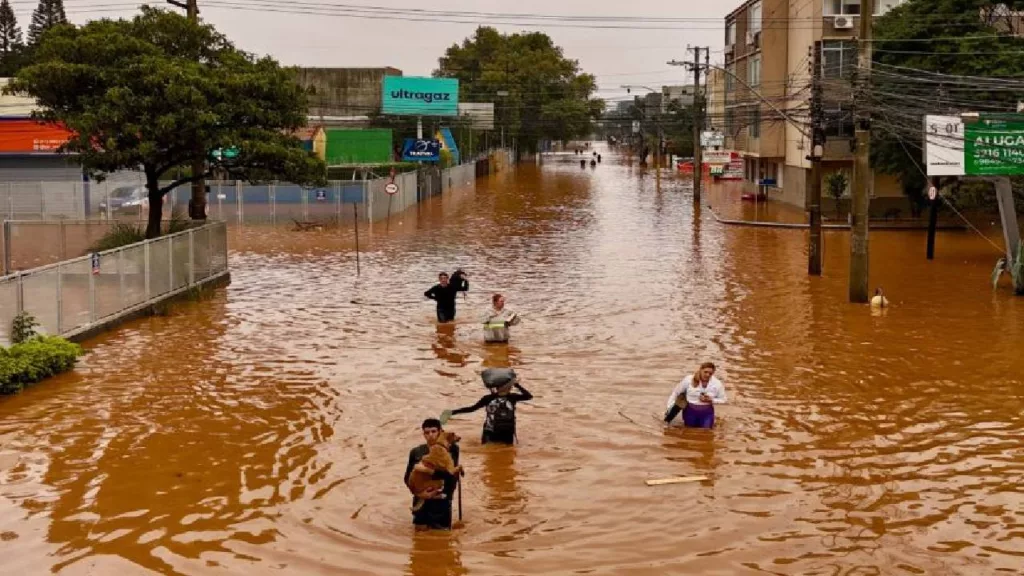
768	47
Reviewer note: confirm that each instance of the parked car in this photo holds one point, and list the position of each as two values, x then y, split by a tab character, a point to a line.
125	200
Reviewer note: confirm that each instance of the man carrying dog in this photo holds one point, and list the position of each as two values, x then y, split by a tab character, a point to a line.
436	513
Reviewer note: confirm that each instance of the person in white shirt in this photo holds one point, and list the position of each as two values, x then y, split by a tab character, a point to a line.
696	397
498	320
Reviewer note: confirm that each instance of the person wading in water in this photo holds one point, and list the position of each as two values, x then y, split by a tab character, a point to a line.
498	320
444	293
500	421
436	512
696	396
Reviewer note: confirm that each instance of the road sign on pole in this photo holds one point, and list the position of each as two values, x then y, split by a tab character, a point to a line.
391	188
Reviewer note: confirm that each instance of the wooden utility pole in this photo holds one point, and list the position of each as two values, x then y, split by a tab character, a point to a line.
814	251
698	124
197	204
863	178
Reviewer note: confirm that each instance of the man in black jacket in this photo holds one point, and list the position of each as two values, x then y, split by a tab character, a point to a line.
436	512
444	293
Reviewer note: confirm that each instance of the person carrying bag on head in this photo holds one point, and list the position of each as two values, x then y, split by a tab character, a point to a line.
500	420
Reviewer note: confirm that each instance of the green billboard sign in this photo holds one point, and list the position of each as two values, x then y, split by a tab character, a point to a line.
417	96
994	147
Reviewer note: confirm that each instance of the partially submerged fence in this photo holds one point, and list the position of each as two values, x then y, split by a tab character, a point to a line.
74	296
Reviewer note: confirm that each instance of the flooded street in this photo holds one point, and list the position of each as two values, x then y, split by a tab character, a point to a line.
266	430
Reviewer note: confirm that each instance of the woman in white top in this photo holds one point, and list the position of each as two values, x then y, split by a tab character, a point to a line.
696	397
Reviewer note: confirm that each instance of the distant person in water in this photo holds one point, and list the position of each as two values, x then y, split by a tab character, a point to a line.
498	321
696	396
583	163
879	300
444	293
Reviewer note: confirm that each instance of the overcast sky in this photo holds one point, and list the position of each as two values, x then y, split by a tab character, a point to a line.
615	56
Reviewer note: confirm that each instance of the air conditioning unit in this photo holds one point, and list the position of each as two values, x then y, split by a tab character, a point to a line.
842	23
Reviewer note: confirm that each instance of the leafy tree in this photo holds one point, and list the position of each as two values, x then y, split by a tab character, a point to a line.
159	92
678	127
548	95
11	42
48	14
979	41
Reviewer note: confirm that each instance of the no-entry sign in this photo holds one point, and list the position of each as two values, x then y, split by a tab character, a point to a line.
391	188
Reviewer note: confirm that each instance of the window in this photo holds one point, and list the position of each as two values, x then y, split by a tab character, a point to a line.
754	71
755	122
730	33
729	79
852	7
839	120
754	18
838	59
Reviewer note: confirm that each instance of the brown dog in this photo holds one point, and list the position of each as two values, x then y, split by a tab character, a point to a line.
437	459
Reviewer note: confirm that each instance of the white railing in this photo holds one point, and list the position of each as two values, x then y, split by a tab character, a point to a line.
74	296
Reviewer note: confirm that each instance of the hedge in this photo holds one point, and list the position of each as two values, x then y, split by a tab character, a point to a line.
35	360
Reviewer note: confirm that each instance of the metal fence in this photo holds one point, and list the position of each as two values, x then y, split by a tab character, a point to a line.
72	296
228	200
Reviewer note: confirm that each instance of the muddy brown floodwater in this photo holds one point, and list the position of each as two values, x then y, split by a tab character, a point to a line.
266	430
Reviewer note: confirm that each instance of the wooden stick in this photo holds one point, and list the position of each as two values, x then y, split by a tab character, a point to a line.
676	480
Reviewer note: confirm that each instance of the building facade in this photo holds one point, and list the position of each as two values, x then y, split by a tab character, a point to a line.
766	91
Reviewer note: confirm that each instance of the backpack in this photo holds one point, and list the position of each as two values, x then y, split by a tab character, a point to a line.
501	417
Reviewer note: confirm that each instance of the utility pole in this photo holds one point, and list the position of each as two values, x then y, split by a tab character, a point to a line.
698	122
197	204
817	150
863	178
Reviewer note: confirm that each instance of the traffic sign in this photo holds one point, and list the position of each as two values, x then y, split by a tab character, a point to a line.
932	193
391	188
95	260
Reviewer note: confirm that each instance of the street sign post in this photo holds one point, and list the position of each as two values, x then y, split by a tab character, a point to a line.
391	188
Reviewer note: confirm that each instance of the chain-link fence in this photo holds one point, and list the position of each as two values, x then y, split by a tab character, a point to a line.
75	295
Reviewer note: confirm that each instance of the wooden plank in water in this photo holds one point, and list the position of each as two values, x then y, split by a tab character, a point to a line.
676	480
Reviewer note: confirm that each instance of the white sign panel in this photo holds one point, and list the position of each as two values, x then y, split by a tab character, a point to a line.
944	145
721	157
712	139
636	126
480	115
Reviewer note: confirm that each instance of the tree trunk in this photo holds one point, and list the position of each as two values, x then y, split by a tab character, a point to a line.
156	208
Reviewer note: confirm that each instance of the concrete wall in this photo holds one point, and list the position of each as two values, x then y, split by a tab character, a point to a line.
338	92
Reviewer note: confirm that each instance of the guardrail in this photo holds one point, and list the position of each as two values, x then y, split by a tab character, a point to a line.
75	296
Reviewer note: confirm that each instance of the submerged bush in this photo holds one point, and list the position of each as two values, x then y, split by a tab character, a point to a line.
35	360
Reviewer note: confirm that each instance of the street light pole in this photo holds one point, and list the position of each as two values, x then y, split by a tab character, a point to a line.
197	204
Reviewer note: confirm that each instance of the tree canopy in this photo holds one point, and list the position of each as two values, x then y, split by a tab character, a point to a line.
928	61
11	42
157	92
548	95
48	13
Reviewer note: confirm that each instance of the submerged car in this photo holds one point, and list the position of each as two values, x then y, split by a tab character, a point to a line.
125	200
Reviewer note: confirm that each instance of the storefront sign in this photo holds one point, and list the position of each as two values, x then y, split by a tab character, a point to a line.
719	157
985	146
416	96
26	136
712	139
421	150
994	147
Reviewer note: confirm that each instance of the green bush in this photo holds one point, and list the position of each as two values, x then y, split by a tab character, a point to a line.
120	234
23	328
124	233
35	360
